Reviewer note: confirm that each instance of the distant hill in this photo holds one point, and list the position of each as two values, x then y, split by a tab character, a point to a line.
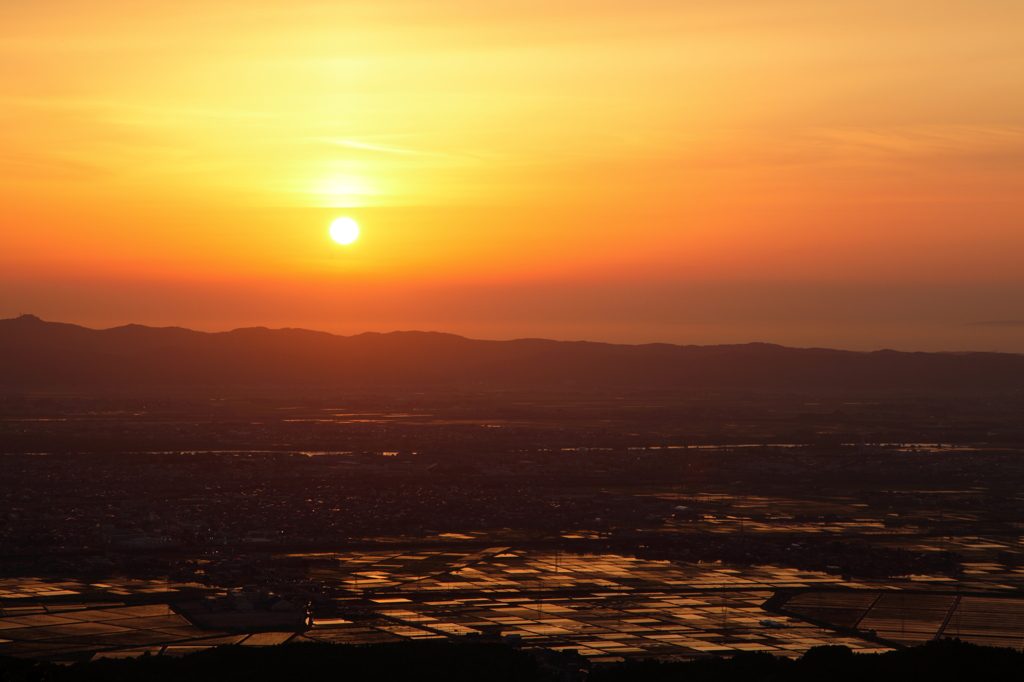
35	353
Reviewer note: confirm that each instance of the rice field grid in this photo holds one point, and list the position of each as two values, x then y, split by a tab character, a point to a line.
605	626
910	618
53	630
606	606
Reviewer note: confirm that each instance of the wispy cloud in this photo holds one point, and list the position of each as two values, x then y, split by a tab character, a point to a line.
379	148
397	150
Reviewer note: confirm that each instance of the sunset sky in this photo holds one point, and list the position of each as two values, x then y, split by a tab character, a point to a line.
846	174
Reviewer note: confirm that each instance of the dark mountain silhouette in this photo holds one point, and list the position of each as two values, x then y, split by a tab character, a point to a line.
34	353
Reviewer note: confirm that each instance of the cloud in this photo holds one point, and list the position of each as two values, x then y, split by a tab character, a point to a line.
394	150
373	147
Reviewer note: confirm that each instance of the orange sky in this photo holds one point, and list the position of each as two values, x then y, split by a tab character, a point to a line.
844	174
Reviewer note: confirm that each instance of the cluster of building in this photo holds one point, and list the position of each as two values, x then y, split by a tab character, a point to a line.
278	499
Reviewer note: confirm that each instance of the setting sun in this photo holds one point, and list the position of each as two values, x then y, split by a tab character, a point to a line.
344	230
778	180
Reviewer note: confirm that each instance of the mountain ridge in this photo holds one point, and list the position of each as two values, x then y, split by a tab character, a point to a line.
34	352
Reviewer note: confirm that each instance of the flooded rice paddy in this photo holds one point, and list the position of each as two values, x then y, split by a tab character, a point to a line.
607	607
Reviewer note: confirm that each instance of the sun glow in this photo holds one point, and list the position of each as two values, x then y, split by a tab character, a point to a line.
344	230
499	151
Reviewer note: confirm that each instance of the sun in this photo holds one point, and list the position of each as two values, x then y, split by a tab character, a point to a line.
344	230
